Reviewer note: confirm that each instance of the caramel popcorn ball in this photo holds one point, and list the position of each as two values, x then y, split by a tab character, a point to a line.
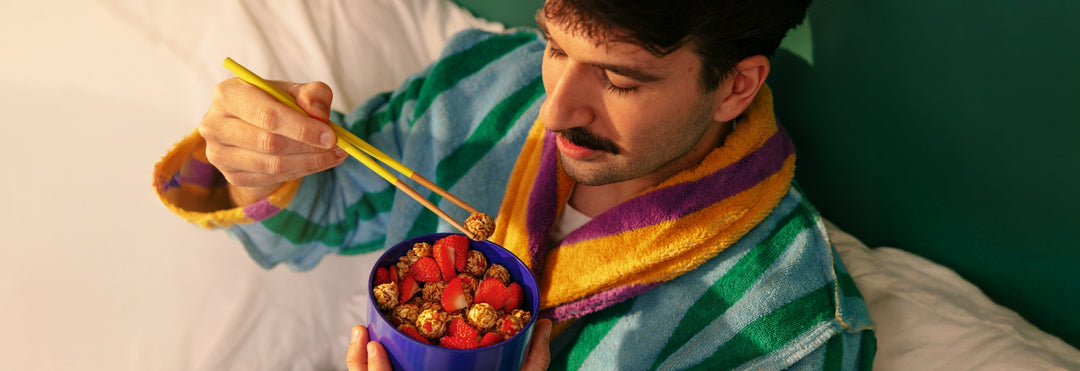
432	291
509	325
406	313
521	314
498	272
468	282
403	268
482	315
480	226
419	250
475	263
432	323
386	295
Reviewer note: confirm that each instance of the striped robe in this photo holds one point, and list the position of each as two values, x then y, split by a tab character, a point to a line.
775	297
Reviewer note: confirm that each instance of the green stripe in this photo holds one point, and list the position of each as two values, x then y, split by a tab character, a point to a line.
299	230
445	74
834	354
867	350
456	67
734	284
491	130
374	123
772	331
591	334
426	222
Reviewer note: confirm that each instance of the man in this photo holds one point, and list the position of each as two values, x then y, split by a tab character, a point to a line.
634	161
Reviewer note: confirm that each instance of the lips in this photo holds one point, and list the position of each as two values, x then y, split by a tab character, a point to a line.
572	150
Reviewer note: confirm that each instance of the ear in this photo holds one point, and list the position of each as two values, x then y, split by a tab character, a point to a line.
740	87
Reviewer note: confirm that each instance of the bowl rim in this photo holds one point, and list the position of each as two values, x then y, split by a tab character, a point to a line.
534	305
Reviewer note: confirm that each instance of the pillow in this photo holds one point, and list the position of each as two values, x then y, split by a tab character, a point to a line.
929	318
359	48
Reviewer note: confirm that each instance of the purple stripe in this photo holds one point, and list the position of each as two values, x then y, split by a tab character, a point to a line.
261	210
200	173
543	201
596	302
678	200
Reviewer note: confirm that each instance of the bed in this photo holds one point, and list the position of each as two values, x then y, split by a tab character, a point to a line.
99	276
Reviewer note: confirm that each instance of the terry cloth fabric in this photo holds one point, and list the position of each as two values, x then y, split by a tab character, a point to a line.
779	298
653	237
460	123
192	188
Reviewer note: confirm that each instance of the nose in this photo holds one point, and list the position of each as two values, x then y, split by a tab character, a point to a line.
568	102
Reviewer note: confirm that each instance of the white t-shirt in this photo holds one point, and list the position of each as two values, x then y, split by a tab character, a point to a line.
569	221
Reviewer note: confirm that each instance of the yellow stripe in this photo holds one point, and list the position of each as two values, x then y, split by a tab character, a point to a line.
511	229
659	252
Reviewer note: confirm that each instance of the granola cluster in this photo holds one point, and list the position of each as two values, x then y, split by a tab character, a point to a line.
448	294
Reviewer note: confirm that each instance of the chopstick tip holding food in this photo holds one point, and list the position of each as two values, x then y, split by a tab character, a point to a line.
478	226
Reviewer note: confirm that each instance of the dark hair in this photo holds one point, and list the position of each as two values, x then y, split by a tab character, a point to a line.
721	32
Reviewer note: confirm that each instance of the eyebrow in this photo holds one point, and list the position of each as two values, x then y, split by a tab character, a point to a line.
631	72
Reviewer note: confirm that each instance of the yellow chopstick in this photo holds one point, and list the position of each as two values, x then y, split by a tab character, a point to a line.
350	143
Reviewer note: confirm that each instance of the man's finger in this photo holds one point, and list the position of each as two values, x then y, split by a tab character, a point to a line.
260	109
356	357
377	360
539	355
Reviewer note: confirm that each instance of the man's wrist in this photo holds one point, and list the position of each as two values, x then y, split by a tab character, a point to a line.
243	196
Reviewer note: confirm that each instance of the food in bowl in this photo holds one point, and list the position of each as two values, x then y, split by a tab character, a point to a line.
448	294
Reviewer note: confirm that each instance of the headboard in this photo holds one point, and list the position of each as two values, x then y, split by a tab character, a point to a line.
940	127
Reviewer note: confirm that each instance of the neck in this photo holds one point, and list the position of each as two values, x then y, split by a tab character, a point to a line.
594	200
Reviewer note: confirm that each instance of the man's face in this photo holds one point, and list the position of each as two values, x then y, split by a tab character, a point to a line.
620	112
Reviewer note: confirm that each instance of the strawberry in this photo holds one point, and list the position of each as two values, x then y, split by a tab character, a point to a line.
413	333
407	288
445	257
393	272
460	245
515	297
491	291
425	270
458	327
458	342
382	275
490	338
454	297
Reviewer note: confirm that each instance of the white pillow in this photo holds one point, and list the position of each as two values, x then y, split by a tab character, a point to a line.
359	48
929	318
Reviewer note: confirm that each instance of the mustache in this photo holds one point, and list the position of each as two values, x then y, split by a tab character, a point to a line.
582	138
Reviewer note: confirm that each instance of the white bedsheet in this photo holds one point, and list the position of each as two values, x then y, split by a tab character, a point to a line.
99	276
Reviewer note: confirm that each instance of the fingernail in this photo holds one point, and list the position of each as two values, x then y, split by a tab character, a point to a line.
340	153
355	335
326	139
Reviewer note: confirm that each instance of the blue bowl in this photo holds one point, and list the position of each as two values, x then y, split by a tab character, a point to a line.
407	353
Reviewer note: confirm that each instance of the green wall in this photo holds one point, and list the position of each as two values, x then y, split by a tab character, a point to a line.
512	13
948	129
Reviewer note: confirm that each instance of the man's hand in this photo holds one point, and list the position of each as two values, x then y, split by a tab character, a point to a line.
364	354
259	143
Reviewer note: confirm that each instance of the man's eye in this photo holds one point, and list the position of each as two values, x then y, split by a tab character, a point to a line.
555	53
619	90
